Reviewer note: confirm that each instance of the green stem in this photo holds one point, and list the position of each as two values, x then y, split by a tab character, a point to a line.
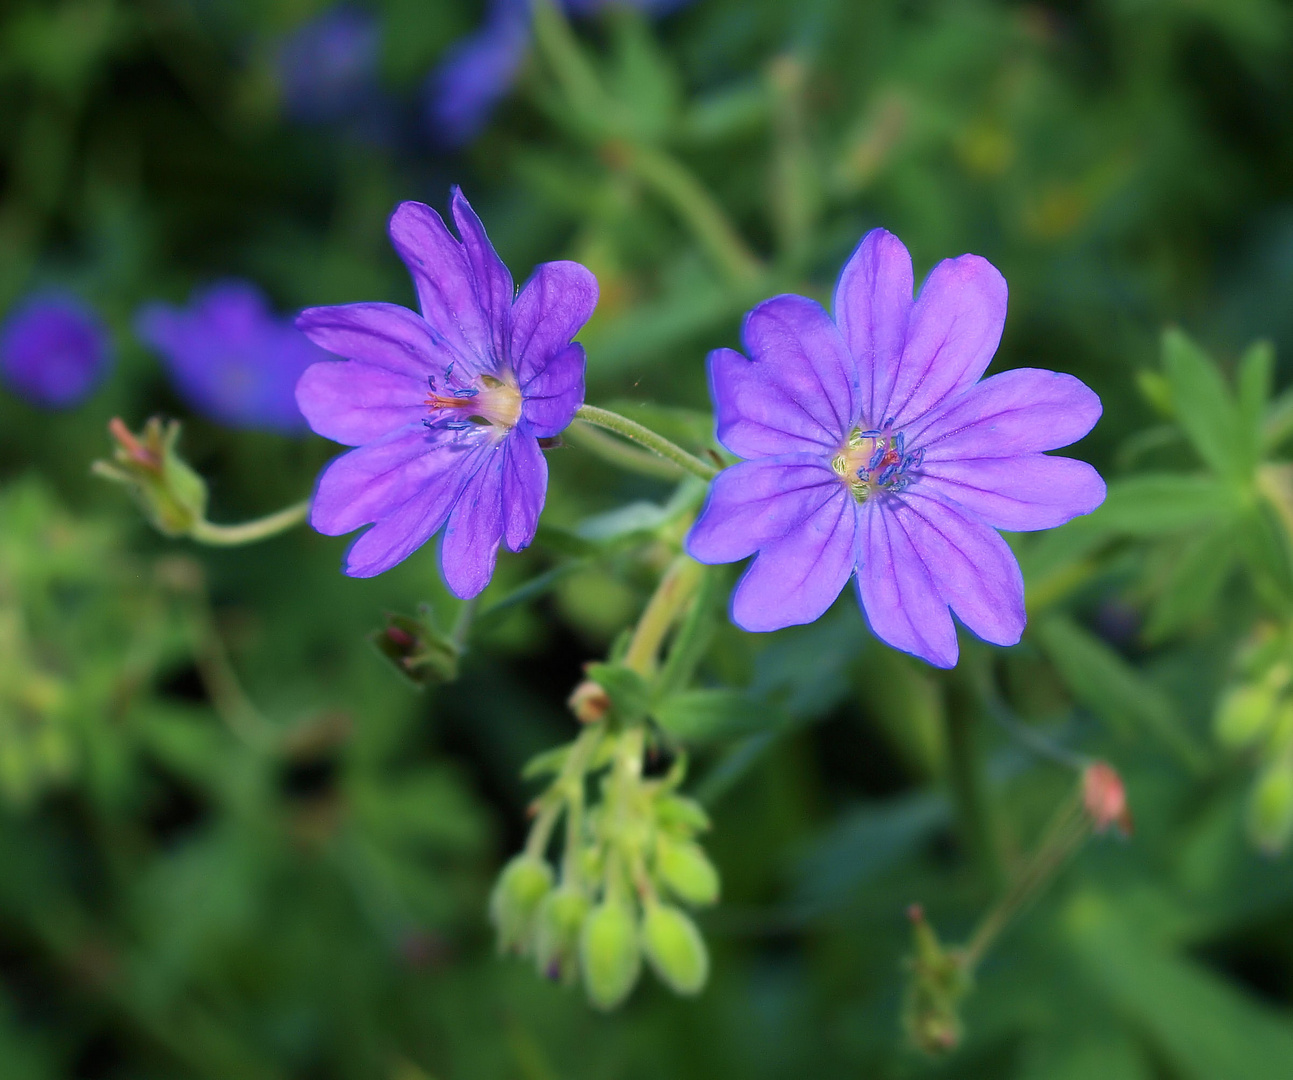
644	436
965	775
676	587
249	532
619	453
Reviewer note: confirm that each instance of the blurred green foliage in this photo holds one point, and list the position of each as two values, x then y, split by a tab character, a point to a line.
234	843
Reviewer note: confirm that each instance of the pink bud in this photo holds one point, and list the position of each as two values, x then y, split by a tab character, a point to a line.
1105	798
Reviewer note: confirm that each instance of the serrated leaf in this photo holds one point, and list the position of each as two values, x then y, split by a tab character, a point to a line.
1204	405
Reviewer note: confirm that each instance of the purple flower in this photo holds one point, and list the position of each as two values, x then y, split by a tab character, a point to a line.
478	71
328	67
230	357
873	448
54	350
446	408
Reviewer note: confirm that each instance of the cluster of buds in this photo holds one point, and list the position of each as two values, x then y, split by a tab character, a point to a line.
1255	716
171	495
629	867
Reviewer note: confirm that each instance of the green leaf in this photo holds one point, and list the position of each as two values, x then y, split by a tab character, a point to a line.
1205	407
1157	504
708	715
1194	583
1114	690
1256	375
628	691
1204	1027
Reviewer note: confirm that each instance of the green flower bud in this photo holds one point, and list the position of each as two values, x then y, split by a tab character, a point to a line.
521	887
1244	714
171	495
556	935
675	949
680	815
1270	809
686	870
609	954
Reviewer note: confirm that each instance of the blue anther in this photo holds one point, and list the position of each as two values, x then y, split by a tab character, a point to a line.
874	433
468	393
448	372
458	425
917	458
889	473
889	422
431	381
899	443
876	458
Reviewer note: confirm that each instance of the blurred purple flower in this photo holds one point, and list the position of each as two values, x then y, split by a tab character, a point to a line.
873	448
54	350
446	408
230	357
328	67
479	70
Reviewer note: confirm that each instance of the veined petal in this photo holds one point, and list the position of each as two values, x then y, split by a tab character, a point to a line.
469	549
973	569
1031	491
492	280
446	286
384	335
395	537
554	393
955	327
1017	412
902	602
372	482
797	392
525	484
550	310
796	578
756	503
353	402
873	300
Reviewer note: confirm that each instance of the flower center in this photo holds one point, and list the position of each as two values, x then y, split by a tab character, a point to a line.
458	406
876	460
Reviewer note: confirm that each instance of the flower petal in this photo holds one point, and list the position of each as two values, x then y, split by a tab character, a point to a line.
755	503
396	537
955	328
795	579
873	300
493	281
1017	412
354	403
554	393
525	484
470	545
974	570
1032	491
798	390
384	335
550	310
446	285
902	603
374	481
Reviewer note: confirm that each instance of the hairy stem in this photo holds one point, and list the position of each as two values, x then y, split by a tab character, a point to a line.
618	453
644	436
666	604
249	532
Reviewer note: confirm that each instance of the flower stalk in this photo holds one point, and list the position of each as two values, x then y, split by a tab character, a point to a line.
644	436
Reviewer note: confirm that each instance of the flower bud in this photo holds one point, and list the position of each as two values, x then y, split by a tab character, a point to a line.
675	949
680	815
1244	714
1105	798
556	933
589	702
521	887
686	870
421	652
171	495
1270	809
609	954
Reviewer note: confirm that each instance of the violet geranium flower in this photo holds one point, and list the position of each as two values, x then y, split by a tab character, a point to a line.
54	350
874	449
231	357
446	408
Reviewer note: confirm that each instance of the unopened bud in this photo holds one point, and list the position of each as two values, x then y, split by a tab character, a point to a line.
1244	714
171	495
1270	809
521	887
937	985
686	870
609	954
1104	797
556	935
680	815
675	949
418	649
589	702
